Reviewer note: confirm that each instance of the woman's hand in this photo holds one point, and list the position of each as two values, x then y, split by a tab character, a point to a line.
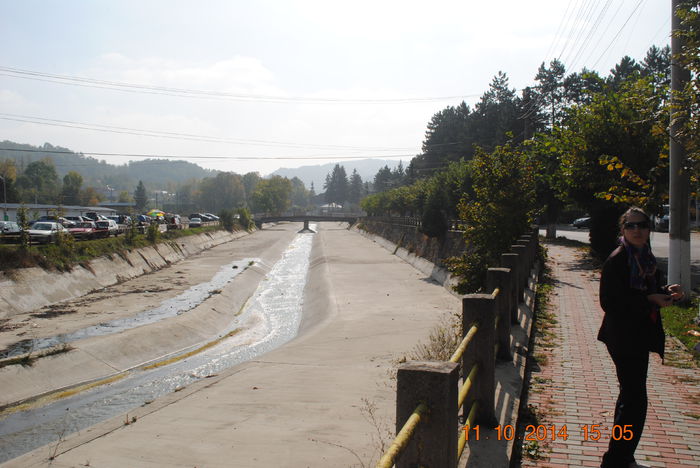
661	300
676	292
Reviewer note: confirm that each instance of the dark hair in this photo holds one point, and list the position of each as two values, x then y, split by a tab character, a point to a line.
632	210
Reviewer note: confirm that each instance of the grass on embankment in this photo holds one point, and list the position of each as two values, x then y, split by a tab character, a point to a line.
679	321
68	253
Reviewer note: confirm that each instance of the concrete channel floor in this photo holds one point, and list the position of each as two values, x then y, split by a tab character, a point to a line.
324	399
577	385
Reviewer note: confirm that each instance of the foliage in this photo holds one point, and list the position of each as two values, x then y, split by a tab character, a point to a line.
272	195
153	233
501	210
224	191
336	185
140	196
686	105
227	220
627	125
245	219
39	182
70	193
679	321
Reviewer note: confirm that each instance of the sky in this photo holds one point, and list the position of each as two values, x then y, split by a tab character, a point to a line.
249	86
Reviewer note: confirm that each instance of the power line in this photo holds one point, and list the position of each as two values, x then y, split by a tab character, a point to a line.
618	32
167	156
183	136
204	94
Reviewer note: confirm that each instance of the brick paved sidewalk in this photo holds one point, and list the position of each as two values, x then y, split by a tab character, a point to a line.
576	386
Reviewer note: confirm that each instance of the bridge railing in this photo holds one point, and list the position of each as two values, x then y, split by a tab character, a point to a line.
429	397
452	224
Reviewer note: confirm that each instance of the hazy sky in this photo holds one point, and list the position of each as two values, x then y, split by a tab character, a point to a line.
276	80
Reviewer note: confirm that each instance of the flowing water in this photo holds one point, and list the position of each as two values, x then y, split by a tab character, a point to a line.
270	319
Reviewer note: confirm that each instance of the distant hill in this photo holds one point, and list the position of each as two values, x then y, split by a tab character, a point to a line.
155	173
367	168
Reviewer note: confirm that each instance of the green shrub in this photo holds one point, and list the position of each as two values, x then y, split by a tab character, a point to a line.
227	220
153	233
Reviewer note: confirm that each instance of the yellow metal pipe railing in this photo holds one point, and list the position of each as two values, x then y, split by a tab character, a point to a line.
468	382
403	437
457	356
462	441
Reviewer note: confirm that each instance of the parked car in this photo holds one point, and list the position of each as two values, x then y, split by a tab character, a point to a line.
84	230
581	223
106	228
9	227
46	231
78	219
94	216
212	216
195	222
59	219
660	221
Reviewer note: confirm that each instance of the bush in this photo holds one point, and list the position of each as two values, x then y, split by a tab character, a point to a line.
227	220
153	233
245	219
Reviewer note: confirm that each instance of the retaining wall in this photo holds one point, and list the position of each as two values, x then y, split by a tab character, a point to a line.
27	289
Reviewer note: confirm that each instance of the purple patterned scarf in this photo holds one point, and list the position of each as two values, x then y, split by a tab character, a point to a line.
642	265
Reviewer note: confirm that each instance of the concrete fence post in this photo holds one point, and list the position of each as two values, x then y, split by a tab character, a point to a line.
523	272
434	444
500	278
526	240
510	261
481	308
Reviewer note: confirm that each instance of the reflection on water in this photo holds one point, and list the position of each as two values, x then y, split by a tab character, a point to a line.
270	319
177	305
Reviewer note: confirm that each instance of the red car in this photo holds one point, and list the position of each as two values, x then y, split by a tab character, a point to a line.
84	230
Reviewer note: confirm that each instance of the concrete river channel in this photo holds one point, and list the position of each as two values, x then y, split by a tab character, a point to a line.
270	318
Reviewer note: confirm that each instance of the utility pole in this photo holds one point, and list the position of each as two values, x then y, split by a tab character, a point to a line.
679	178
4	192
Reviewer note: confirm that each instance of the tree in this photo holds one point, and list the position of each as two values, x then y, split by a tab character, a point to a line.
225	191
300	196
628	124
687	104
446	139
39	182
551	90
8	186
140	197
337	185
90	197
250	181
628	69
272	195
70	193
125	197
355	192
382	180
500	210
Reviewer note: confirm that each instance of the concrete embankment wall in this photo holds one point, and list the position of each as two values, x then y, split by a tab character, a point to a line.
28	289
424	253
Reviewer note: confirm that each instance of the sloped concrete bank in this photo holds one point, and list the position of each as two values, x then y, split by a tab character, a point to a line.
425	254
29	289
111	356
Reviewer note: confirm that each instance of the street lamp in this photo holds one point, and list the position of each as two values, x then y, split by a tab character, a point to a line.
4	194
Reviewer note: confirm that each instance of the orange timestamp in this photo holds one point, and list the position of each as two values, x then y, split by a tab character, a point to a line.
542	432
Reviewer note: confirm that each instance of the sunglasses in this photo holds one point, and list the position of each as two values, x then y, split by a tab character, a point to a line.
637	225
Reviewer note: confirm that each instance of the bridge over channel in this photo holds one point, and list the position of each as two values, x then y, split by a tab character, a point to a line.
338	218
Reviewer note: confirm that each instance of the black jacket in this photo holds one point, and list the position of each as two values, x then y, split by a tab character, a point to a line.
627	325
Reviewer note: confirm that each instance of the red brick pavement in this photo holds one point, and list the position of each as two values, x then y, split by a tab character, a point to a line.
577	384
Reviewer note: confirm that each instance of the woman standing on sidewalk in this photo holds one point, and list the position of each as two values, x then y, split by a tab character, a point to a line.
631	294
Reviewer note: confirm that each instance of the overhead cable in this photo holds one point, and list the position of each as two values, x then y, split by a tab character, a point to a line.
205	94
